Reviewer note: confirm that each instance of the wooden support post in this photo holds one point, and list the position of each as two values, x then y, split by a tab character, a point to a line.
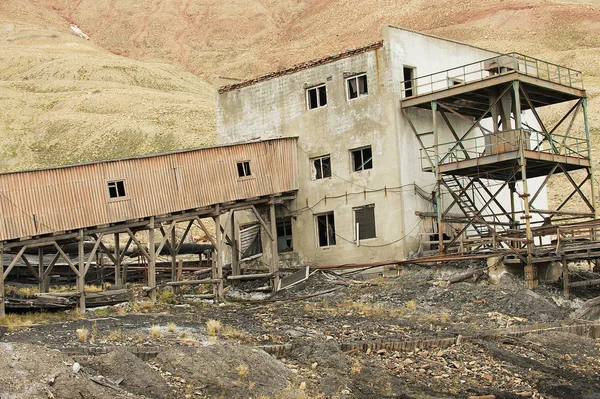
565	270
117	261
274	253
173	248
219	258
235	264
151	261
44	281
2	293
81	274
179	269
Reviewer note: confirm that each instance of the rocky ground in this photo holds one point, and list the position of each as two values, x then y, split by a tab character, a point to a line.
316	335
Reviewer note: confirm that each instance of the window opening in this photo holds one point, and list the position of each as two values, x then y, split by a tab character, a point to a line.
322	167
454	82
250	241
284	235
364	220
244	169
357	86
316	97
326	230
116	189
362	159
409	80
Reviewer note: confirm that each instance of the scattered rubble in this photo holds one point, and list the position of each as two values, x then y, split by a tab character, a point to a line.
330	336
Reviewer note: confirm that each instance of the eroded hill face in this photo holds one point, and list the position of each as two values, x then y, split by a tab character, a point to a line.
145	106
65	100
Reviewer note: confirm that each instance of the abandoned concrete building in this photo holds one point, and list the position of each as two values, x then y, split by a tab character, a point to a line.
411	146
373	124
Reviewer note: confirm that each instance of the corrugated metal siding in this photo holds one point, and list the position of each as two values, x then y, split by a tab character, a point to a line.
46	201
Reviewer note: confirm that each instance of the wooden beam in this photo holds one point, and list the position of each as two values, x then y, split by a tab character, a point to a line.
250	276
139	245
185	233
235	264
151	260
66	259
274	251
14	261
565	270
173	254
262	223
51	266
30	268
218	268
193	282
81	275
2	293
93	253
205	230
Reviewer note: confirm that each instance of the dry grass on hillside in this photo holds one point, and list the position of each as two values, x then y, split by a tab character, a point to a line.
65	100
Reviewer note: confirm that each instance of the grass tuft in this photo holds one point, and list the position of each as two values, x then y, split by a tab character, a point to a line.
213	327
82	334
171	327
155	331
242	371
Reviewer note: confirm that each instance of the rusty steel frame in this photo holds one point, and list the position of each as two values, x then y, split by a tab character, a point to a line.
473	179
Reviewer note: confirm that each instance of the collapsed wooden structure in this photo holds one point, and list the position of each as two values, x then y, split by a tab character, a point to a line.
50	208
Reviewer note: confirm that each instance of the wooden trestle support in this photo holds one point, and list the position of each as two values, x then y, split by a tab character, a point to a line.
222	237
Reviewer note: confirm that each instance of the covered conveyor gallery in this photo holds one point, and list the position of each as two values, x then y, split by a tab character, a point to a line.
123	200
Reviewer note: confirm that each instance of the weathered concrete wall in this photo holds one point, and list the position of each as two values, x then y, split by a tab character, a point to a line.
278	107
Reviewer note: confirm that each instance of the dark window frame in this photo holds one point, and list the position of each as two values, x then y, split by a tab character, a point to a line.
361	158
409	78
243	169
116	189
285	235
360	89
322	167
316	96
364	216
325	229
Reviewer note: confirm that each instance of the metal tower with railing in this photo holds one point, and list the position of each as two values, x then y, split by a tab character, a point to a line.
514	124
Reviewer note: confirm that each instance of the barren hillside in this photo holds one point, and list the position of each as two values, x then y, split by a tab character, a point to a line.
234	38
66	100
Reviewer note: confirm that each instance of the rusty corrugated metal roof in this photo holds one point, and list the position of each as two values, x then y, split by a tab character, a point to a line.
66	198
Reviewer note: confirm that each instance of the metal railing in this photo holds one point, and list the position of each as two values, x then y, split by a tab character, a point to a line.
489	68
502	142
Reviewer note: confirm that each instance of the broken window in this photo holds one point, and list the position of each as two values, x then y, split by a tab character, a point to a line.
357	86
250	241
322	167
362	159
244	169
316	97
325	229
364	222
116	189
284	235
409	81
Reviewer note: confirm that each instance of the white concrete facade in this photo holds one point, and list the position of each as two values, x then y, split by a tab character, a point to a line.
278	106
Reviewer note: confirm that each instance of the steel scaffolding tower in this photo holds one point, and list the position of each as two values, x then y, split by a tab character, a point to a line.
502	150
